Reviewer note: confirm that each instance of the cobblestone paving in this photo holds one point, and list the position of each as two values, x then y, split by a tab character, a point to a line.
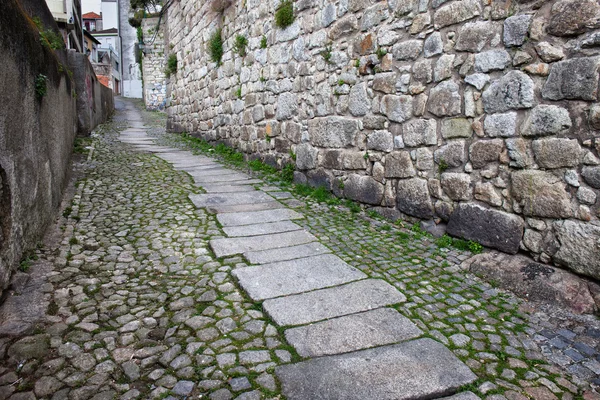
141	308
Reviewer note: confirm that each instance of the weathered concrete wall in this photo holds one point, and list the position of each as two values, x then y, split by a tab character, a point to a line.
154	63
36	135
95	102
479	113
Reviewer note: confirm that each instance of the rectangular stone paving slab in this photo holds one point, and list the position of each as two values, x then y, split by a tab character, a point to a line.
198	178
352	332
211	199
257	217
295	276
333	302
418	369
213	170
272	205
229	246
286	253
261	229
228	188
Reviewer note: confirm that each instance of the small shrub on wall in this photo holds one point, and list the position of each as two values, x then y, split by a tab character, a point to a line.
284	16
240	45
171	65
215	47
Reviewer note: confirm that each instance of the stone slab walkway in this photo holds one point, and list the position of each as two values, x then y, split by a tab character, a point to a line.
300	285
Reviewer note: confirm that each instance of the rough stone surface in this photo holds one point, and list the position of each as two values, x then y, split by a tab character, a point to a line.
501	125
397	108
484	152
570	17
489	227
541	194
516	29
591	175
579	248
399	165
445	99
538	282
332	131
419	132
546	120
364	189
492	60
457	185
473	36
456	12
351	333
286	253
556	153
322	304
261	229
257	217
456	128
573	79
412	198
513	91
228	246
439	372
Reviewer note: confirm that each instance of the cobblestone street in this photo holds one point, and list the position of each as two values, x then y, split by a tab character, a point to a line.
142	301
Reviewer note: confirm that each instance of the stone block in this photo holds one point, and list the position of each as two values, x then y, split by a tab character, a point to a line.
491	228
385	82
511	92
399	165
422	71
516	29
380	140
541	194
334	132
473	36
546	120
591	175
457	186
373	15
412	198
287	106
397	108
352	332
261	229
358	102
443	67
534	281
306	156
456	128
456	12
571	17
388	372
419	132
579	250
322	304
363	189
300	275
257	217
556	153
343	26
549	53
500	125
487	193
445	99
574	79
492	60
484	152
407	50
433	45
519	154
478	80
453	154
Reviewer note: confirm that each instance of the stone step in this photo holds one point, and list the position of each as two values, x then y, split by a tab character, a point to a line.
296	276
235	208
352	332
211	199
205	168
261	229
230	246
333	302
228	183
286	253
418	369
213	170
258	217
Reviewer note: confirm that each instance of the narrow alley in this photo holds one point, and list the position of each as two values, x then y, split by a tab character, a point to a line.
173	275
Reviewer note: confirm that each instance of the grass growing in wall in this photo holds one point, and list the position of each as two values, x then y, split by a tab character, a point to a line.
41	86
171	65
49	38
263	42
215	47
284	16
240	45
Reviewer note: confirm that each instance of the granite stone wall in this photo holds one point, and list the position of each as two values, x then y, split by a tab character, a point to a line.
479	114
154	63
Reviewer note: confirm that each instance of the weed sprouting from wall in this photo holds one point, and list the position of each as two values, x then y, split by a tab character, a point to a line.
284	16
171	65
263	42
49	38
240	45
215	47
41	86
